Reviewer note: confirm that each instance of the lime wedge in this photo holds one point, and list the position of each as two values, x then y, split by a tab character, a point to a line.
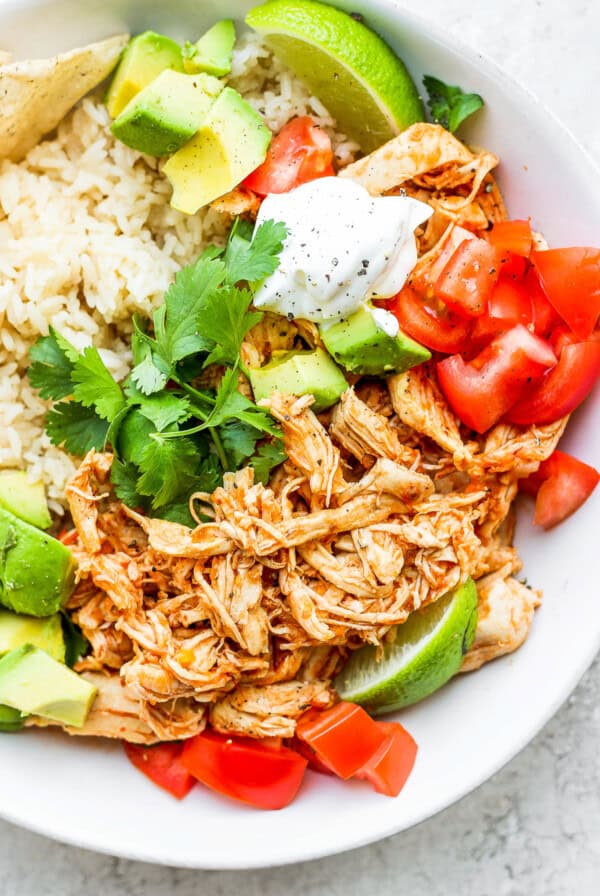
427	651
354	73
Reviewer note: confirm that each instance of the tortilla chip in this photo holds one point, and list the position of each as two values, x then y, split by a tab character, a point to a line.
419	149
36	95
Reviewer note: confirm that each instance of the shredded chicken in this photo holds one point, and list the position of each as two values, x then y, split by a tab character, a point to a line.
384	504
505	614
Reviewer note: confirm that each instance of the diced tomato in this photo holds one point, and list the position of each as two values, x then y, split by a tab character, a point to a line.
512	266
512	236
562	389
163	764
468	279
545	317
423	278
300	152
344	737
562	484
389	769
317	765
509	305
68	536
562	336
437	330
571	280
255	773
483	390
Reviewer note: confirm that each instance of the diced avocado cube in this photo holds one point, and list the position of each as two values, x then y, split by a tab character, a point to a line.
37	572
300	373
213	53
24	498
167	113
231	143
143	59
360	346
11	719
44	632
35	684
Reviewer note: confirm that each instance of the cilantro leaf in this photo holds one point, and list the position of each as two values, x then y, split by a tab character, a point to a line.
161	409
226	320
232	405
124	476
178	513
176	323
239	441
168	468
149	374
256	259
50	372
94	385
448	104
76	645
268	456
76	428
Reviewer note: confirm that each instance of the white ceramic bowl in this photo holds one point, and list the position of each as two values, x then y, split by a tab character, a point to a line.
87	794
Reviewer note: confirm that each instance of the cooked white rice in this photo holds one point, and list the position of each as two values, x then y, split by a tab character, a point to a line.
88	238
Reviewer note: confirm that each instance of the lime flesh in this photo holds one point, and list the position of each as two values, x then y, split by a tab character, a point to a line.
354	73
426	652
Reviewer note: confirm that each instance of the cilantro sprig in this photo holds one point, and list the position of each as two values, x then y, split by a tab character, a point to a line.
448	104
170	437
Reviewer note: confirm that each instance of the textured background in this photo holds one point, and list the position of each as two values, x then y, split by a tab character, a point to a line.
534	830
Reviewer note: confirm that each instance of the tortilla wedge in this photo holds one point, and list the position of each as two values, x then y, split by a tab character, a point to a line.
36	95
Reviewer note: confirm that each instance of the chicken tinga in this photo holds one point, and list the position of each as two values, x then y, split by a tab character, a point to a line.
274	373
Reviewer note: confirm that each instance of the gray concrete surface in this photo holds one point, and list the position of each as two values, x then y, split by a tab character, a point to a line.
534	829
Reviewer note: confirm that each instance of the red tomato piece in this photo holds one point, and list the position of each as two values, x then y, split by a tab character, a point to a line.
391	766
68	536
316	764
509	305
468	279
344	737
300	152
245	769
571	280
512	236
422	279
562	389
545	317
438	331
162	764
562	484
483	390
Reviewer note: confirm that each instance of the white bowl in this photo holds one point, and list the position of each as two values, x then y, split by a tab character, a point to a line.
87	793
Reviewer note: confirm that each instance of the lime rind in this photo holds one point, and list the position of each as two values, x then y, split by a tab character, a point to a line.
427	651
354	73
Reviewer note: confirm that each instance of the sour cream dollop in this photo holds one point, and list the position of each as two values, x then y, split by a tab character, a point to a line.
344	248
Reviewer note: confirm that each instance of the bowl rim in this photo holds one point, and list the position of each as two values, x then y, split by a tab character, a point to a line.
77	837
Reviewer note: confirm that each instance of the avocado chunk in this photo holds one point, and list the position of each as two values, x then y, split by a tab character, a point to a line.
143	59
364	348
37	572
213	53
11	719
24	498
300	373
44	632
167	113
231	143
35	684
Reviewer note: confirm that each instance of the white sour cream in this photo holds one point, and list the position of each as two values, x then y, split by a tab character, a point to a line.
344	247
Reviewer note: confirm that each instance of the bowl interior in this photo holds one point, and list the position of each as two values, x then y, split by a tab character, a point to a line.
86	793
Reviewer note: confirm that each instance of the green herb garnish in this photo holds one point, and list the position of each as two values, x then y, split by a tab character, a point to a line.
171	438
448	104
